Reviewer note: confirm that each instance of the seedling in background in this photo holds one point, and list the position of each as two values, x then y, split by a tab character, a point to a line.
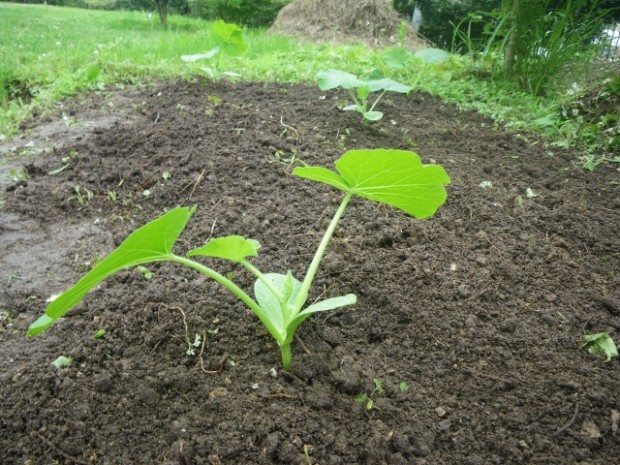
148	275
229	41
369	399
82	198
393	177
62	362
600	343
590	162
67	163
360	90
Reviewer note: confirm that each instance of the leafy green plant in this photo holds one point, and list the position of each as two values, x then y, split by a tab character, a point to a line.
360	90
590	161
82	197
393	177
599	343
229	41
62	362
66	163
369	399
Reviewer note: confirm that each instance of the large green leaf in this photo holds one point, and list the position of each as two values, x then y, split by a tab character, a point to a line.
432	55
151	243
387	84
235	248
320	174
228	36
333	78
395	177
396	58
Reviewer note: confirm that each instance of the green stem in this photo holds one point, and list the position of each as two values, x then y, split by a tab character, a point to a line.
360	105
318	256
256	272
377	100
232	287
286	356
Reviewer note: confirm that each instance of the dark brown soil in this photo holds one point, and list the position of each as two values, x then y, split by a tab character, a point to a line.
479	310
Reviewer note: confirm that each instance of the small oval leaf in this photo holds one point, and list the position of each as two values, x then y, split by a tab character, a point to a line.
373	115
235	248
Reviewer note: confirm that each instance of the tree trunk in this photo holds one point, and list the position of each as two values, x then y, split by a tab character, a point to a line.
162	8
509	56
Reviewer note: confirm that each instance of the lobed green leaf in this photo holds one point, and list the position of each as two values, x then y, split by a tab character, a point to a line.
229	38
387	84
334	78
396	58
432	56
394	177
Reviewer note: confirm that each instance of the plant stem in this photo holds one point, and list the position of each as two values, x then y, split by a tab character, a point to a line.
318	256
256	272
377	100
359	104
232	287
286	356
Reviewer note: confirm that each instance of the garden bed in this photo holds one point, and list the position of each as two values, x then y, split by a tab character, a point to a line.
469	321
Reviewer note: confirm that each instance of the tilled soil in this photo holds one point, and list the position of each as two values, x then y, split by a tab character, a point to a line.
466	329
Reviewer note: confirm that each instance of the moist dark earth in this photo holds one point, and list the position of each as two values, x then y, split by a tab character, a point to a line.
468	321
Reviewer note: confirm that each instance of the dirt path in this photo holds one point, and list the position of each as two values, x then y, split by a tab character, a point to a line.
469	320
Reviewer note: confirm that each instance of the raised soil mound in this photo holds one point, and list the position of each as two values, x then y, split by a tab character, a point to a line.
373	22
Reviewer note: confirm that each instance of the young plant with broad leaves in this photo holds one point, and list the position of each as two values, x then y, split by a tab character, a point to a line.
228	38
393	177
360	90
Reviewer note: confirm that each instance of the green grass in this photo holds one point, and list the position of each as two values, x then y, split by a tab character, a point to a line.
46	54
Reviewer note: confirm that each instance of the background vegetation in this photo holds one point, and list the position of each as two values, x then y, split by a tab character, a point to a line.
45	56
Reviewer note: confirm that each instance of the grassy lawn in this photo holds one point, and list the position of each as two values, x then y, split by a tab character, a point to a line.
47	53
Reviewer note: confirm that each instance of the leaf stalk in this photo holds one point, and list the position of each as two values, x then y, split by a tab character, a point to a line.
318	256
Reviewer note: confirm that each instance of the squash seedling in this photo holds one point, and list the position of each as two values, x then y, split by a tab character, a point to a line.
393	177
360	90
229	41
